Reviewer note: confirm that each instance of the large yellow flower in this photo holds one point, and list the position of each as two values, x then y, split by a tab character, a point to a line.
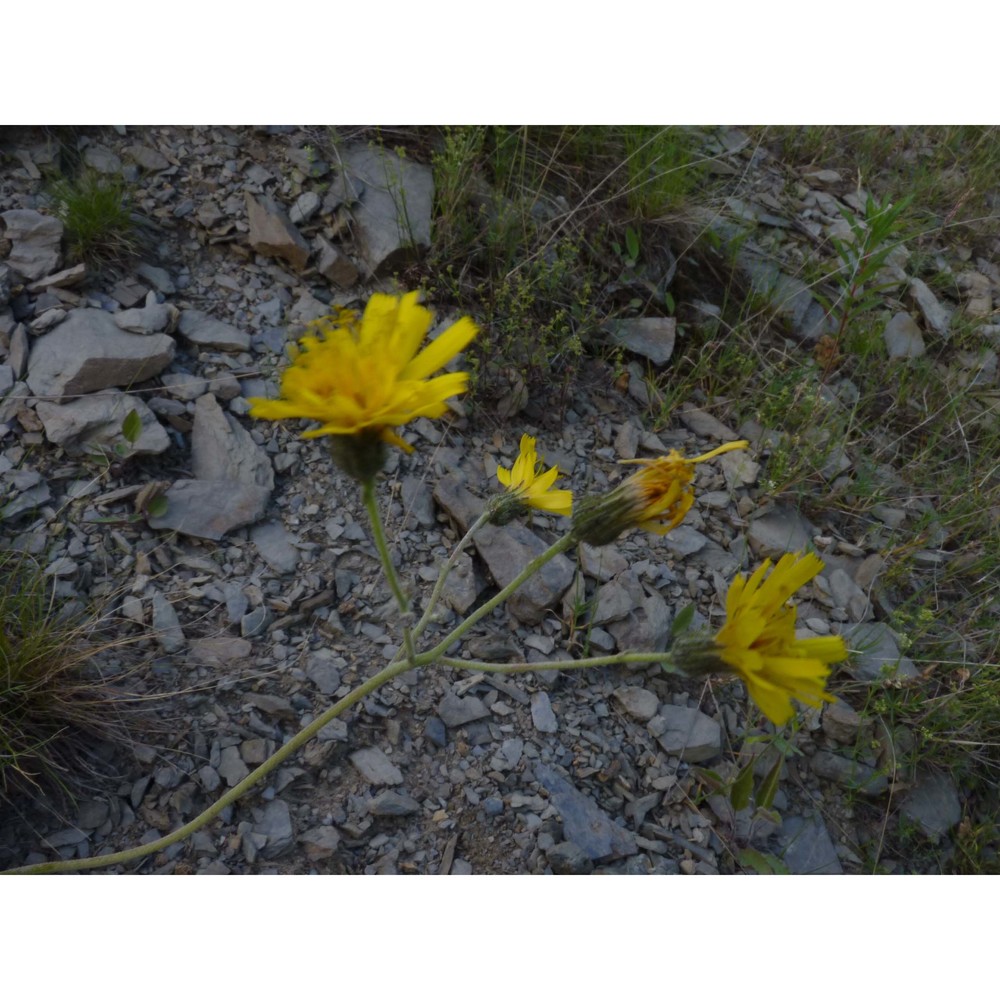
655	498
758	641
531	484
364	377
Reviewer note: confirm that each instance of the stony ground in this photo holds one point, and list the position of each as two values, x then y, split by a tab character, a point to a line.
254	597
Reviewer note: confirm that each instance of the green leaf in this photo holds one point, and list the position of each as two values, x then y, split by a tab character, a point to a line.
739	794
632	243
711	779
668	301
682	620
157	507
769	786
762	864
132	427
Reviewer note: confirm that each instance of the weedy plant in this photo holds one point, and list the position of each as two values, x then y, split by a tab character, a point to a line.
360	377
97	215
58	700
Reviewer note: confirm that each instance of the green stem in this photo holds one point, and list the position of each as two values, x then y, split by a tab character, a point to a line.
530	570
526	668
236	792
445	570
371	505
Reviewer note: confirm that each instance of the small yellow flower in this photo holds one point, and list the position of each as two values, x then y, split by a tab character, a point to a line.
656	498
758	641
364	377
531	484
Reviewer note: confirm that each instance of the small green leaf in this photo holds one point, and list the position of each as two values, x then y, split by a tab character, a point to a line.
632	243
132	427
762	864
668	301
157	507
682	620
739	794
711	779
769	786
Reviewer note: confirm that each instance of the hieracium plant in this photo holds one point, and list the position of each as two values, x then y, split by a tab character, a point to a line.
359	378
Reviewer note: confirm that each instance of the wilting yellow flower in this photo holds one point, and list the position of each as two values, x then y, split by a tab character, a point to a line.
530	484
758	641
655	498
364	377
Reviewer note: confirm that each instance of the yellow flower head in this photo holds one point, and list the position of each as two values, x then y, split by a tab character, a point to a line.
656	498
758	641
529	484
363	377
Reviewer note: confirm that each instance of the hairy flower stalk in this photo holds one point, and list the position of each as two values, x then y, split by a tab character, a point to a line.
656	498
758	643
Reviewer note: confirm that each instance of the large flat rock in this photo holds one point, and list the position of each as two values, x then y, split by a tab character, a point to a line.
87	352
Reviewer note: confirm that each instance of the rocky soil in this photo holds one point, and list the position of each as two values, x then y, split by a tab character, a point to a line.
254	594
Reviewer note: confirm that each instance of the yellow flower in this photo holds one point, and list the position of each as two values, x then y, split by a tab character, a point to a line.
531	484
364	377
655	498
758	641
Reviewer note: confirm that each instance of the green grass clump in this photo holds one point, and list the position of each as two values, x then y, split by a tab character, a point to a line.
96	213
56	706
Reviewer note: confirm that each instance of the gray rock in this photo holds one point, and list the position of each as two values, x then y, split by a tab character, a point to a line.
335	266
166	625
875	652
275	546
183	385
273	234
154	317
456	711
231	766
36	240
853	774
602	563
686	733
87	352
306	206
157	277
210	508
61	279
789	297
542	716
684	541
222	449
585	824
782	529
506	551
322	671
275	823
102	159
933	803
255	622
392	222
637	702
375	767
739	469
841	723
705	425
148	158
319	843
615	600
203	330
645	624
17	355
391	803
463	585
568	858
92	425
807	848
92	814
459	503
651	337
936	316
903	338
